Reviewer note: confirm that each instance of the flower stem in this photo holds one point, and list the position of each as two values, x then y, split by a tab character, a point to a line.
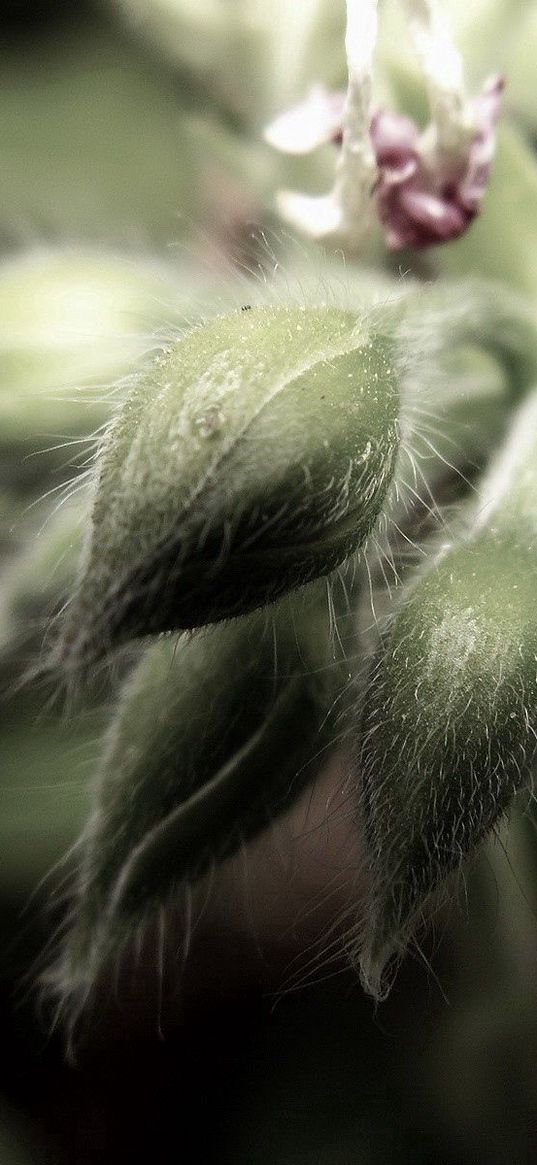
357	167
441	65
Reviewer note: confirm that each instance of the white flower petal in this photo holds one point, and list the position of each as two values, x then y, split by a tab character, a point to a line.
311	123
315	216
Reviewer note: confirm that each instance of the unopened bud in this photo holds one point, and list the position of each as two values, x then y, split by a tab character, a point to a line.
215	736
251	458
450	724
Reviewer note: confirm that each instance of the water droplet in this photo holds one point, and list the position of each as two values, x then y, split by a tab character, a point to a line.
210	422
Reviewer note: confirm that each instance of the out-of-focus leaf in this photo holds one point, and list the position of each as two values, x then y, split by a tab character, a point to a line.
72	321
44	795
93	143
40	576
252	56
502	242
520	67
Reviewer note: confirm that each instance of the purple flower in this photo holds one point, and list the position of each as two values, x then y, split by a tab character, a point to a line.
424	200
423	196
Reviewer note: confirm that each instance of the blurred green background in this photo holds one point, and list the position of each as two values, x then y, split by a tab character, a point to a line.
134	189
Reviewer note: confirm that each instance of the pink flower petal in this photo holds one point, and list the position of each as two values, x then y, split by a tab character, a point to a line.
418	205
394	137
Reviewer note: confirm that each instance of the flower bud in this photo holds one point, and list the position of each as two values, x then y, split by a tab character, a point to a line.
214	736
450	723
252	457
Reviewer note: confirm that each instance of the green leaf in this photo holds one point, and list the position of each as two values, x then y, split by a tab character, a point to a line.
94	142
253	57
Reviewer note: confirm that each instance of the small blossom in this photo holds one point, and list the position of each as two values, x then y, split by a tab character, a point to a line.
187	529
422	197
428	187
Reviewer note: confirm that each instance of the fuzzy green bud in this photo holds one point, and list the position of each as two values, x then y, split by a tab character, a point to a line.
253	456
214	736
450	722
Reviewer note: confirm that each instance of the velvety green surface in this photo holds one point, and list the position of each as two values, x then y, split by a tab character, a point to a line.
252	457
214	737
450	719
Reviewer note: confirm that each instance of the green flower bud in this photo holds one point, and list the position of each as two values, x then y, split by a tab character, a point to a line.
214	736
253	456
450	720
